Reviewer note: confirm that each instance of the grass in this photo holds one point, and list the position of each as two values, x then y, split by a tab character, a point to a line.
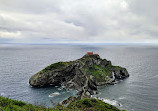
51	67
116	67
85	104
101	73
14	105
54	66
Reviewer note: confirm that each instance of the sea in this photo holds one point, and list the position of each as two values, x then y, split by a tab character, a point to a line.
139	92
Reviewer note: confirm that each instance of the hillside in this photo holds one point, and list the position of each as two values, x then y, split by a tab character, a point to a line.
85	104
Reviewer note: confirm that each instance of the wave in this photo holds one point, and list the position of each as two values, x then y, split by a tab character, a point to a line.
109	101
123	97
54	94
60	88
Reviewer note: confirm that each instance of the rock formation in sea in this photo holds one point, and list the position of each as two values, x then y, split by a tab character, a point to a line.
83	74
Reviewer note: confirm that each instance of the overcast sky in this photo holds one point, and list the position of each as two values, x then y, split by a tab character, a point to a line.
78	21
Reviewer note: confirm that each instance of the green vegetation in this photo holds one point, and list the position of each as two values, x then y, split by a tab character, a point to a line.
101	73
85	104
54	66
116	67
14	105
51	67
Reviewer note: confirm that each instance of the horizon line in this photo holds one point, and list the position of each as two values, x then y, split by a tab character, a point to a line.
83	43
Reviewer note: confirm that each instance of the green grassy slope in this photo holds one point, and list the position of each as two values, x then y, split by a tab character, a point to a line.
85	104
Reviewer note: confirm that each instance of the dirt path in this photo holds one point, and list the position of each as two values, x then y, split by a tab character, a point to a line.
83	88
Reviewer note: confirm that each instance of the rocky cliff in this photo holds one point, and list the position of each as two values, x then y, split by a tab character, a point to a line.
83	74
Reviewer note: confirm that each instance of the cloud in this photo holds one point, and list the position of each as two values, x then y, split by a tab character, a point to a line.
78	21
5	34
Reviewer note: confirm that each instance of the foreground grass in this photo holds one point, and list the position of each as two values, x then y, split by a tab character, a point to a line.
14	105
92	104
80	105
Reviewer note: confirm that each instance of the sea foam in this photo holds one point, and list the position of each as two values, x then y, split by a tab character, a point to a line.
54	94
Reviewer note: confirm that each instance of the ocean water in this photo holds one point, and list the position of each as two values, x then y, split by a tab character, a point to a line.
139	92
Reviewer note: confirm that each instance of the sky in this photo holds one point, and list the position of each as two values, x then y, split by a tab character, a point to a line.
78	21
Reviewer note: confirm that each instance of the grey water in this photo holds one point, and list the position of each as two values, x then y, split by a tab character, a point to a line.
139	92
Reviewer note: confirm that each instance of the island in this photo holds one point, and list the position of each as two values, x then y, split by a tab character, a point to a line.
84	75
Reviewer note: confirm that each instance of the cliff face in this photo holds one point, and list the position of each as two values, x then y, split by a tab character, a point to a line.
84	74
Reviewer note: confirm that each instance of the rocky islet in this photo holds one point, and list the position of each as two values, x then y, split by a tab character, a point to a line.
83	75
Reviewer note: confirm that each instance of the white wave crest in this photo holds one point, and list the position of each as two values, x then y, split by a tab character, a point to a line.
60	88
123	97
54	94
109	101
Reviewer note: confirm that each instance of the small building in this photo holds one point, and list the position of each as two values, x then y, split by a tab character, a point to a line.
89	53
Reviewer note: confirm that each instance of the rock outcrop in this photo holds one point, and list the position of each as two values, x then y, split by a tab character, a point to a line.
84	74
